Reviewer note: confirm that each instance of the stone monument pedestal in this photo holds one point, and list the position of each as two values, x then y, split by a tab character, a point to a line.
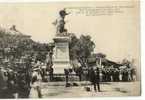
61	59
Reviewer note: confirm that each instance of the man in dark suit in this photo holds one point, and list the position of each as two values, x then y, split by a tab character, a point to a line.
51	73
66	72
94	78
98	78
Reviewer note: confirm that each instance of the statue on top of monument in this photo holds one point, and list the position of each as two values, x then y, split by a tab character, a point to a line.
60	23
63	13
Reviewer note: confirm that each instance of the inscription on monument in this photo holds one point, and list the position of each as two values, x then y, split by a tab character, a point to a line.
61	53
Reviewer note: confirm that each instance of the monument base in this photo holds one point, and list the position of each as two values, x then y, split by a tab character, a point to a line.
60	66
61	58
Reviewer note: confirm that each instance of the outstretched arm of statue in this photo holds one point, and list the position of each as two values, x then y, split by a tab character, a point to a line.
55	22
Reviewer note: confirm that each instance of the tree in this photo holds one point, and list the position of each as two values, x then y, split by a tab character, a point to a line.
72	46
16	46
81	48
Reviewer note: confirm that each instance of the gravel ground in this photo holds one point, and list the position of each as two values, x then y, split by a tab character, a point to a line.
57	89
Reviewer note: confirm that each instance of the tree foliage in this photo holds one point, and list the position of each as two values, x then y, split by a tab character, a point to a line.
15	46
81	48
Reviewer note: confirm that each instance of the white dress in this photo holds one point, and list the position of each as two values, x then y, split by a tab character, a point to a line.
34	90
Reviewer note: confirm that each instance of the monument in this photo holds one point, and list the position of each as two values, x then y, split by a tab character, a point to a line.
61	59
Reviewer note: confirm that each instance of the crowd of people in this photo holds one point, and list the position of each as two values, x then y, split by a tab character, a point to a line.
18	83
110	74
14	83
26	82
118	75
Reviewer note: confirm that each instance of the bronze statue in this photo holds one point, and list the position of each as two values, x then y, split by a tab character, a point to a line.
60	22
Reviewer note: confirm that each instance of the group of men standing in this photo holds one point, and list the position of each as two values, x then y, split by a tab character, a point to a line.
118	75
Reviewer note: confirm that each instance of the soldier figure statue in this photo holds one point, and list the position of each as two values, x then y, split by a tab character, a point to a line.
60	22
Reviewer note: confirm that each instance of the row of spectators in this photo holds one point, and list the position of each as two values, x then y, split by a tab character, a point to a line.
118	75
110	75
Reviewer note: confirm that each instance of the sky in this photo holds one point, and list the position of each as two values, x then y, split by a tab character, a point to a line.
116	35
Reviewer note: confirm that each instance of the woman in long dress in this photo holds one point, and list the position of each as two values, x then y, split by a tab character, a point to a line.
35	88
